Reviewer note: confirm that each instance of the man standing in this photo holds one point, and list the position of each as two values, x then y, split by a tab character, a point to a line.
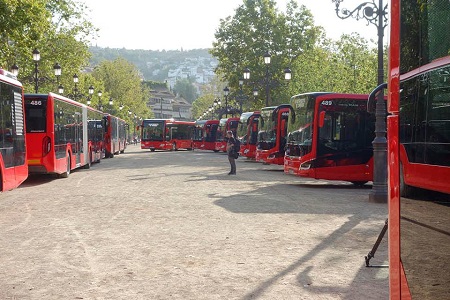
231	141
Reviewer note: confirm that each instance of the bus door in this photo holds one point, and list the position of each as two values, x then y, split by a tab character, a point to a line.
78	149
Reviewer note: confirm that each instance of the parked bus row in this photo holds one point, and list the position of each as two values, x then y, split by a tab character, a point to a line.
51	134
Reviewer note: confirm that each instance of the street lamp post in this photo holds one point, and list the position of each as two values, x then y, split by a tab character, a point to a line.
241	97
75	89
267	57
226	91
57	70
216	104
91	92
100	106
267	81
376	15
36	59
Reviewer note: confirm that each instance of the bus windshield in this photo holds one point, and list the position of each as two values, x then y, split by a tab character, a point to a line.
267	134
299	139
153	130
346	126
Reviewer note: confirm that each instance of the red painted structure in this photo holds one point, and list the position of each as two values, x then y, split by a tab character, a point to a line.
272	133
166	134
13	160
330	137
225	125
248	133
418	149
62	134
205	133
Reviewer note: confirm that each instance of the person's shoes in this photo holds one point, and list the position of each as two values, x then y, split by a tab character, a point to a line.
232	173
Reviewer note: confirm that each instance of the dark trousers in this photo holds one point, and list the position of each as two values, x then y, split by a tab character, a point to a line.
232	164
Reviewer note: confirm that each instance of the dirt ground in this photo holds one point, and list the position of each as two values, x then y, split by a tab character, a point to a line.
173	225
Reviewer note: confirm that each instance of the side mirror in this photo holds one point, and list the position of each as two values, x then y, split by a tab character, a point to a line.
321	119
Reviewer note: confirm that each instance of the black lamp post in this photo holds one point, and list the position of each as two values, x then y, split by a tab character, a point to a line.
100	106
376	15
57	70
241	97
75	89
36	59
267	58
226	91
216	104
268	82
110	103
91	92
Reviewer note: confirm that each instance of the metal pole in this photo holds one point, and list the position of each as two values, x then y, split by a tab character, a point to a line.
379	188
267	86
226	106
36	80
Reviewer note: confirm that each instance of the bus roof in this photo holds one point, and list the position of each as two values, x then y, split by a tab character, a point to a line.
9	77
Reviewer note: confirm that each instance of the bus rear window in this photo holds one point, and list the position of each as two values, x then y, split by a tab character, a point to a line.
35	115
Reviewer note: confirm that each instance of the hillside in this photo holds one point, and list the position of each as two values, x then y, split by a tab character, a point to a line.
155	65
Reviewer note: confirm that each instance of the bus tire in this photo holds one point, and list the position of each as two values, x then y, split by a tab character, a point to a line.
111	155
174	147
67	173
405	190
153	150
359	183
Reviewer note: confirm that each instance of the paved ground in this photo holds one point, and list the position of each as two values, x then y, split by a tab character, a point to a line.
173	225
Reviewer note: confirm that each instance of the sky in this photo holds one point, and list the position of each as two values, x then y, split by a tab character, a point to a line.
191	24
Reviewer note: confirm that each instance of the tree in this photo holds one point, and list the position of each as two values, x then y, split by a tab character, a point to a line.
184	88
256	28
57	28
122	83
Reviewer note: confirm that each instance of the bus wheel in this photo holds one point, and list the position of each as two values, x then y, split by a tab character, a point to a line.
66	174
405	190
359	183
174	147
153	150
111	155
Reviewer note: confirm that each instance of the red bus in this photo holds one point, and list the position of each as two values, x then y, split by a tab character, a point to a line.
13	162
166	134
205	133
62	134
115	135
248	133
419	150
225	125
330	137
272	133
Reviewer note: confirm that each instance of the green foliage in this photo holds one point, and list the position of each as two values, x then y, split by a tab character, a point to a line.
122	83
57	28
185	89
344	66
256	28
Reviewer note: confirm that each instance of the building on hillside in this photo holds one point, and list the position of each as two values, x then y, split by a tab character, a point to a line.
166	105
182	109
